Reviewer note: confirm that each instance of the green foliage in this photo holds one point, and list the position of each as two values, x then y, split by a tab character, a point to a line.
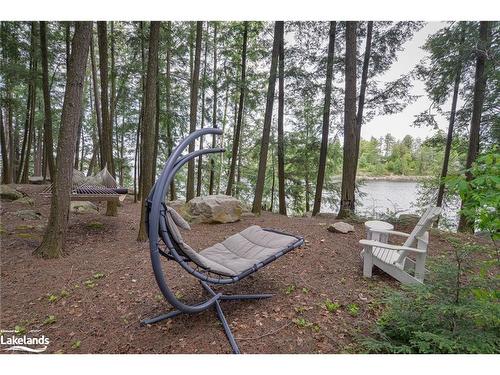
95	225
51	319
89	284
353	309
304	323
19	330
456	311
98	275
53	298
331	306
76	344
290	289
479	194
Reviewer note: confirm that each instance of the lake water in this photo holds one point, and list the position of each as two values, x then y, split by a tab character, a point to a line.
376	198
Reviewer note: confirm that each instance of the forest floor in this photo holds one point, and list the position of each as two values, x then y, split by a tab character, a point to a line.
92	299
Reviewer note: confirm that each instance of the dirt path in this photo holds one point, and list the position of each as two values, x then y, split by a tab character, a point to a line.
104	286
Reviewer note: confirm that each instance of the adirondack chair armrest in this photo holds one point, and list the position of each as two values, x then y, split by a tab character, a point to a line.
393	232
371	243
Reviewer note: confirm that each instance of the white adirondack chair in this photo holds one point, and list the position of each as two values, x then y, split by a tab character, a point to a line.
394	259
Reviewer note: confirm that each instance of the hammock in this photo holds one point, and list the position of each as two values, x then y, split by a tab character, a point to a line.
100	187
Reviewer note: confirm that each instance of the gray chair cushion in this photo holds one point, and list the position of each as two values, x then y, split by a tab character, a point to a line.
243	250
178	219
238	252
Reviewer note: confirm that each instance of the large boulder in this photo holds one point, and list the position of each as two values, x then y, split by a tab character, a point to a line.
177	205
28	214
83	207
213	209
9	193
341	227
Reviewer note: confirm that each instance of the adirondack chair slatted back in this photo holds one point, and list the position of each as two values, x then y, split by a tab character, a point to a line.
420	230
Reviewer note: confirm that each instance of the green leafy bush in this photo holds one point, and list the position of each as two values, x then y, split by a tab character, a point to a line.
480	197
457	311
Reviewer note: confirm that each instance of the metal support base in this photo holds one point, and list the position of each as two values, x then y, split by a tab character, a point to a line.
218	310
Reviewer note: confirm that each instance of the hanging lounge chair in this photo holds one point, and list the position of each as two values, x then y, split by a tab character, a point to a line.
228	262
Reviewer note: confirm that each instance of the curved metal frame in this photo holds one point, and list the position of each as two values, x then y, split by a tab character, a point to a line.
159	228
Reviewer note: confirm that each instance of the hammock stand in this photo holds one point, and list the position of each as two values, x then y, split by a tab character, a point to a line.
161	229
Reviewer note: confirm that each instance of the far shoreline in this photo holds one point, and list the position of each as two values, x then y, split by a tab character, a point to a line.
389	178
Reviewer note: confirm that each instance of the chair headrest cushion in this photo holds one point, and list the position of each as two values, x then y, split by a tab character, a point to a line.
178	219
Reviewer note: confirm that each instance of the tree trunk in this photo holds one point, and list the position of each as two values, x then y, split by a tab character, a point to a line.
97	101
29	100
149	122
326	120
465	225
139	137
362	90
157	129
47	128
348	169
281	141
80	130
52	245
122	151
31	124
224	121
238	177
168	99
22	177
10	126
237	132
273	180
107	130
214	113
195	82
3	143
203	86
37	167
449	137
67	35
261	175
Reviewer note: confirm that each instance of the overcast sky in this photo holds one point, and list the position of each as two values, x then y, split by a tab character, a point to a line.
399	124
